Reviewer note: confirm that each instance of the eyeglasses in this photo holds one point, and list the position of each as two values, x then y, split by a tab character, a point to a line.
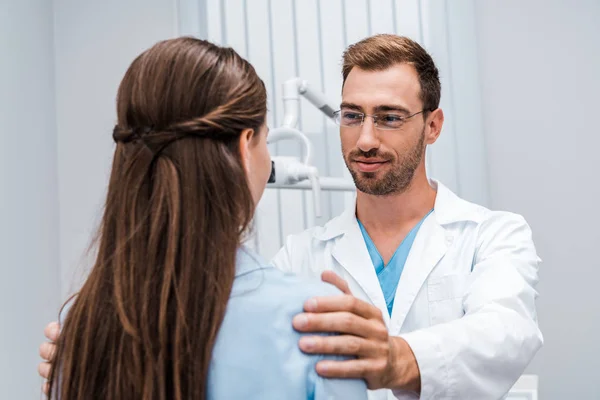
383	121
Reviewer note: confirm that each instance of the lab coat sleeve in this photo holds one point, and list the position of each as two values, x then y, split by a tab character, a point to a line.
481	355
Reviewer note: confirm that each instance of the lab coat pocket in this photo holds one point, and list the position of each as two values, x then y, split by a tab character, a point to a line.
445	295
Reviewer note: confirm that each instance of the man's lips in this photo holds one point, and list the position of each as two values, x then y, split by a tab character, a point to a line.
369	164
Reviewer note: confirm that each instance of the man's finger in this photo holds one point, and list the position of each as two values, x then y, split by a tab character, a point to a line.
343	303
47	351
344	369
46	388
334	279
343	345
338	322
52	331
44	370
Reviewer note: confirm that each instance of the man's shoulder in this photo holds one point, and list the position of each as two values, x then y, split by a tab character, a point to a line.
497	230
457	209
333	228
489	218
488	231
493	219
302	249
504	229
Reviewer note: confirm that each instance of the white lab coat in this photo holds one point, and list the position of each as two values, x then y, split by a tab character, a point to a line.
465	302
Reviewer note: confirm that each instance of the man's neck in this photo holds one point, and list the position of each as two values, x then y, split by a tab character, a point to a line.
392	213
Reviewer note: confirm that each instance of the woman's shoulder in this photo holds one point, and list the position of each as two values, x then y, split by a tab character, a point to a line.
251	269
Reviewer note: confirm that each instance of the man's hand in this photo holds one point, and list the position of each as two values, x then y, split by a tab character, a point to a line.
47	352
381	360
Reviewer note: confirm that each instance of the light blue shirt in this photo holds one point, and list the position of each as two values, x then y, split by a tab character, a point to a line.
256	355
389	275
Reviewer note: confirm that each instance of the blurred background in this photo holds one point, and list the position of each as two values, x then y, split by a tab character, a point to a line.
519	88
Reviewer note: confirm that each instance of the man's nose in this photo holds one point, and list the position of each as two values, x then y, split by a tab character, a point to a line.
368	139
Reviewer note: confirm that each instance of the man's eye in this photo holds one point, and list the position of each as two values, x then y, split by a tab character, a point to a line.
350	115
391	118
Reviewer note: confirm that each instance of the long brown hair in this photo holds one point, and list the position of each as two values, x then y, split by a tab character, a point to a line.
144	323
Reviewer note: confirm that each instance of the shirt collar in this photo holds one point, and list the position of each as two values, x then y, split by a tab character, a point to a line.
247	260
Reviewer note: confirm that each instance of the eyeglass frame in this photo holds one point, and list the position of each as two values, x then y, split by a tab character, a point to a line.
337	113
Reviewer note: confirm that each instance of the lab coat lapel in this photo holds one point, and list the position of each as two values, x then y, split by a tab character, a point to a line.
429	247
350	251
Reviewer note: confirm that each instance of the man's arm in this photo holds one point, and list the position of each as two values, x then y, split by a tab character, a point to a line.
478	356
483	354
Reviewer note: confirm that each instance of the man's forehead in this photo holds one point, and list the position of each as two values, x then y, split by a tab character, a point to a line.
398	85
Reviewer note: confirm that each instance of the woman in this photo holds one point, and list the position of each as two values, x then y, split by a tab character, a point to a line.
175	307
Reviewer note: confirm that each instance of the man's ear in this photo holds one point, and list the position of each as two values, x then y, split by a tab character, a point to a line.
434	126
245	142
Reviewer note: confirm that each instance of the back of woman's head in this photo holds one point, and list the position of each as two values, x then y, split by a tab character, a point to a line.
144	323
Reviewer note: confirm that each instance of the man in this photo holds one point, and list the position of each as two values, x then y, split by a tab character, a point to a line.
440	293
451	281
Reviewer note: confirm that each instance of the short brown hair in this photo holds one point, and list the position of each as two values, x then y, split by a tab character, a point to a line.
380	52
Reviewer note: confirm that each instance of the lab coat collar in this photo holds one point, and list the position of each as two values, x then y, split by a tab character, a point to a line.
430	245
351	253
449	208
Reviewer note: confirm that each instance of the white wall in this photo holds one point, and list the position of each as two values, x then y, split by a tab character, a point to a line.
29	288
95	43
539	64
458	157
60	65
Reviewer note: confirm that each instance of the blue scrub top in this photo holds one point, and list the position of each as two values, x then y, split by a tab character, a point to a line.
389	275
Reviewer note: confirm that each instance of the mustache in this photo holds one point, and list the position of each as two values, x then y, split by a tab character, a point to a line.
373	153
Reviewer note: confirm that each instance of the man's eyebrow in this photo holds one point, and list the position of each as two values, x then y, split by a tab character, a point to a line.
391	107
378	109
351	106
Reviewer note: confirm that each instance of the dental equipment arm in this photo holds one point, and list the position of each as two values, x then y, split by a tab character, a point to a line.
294	87
290	172
284	132
325	182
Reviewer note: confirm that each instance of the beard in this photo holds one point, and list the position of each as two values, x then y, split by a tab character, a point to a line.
394	181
